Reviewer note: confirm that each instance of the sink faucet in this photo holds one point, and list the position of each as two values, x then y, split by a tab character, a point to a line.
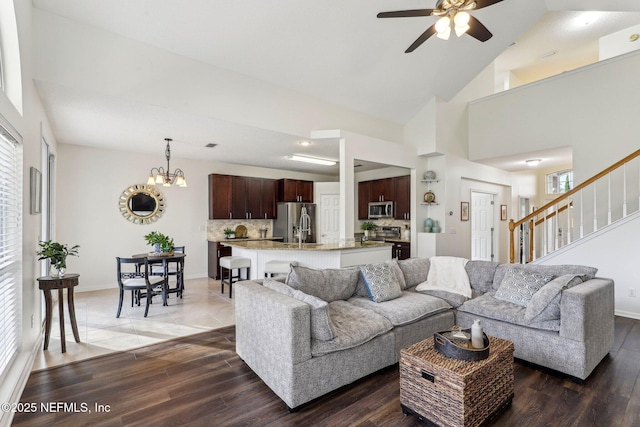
305	225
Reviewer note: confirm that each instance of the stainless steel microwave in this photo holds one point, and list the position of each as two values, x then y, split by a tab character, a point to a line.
381	210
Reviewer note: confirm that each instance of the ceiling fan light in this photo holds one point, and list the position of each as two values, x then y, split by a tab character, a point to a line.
460	30
444	35
443	25
151	180
461	19
159	179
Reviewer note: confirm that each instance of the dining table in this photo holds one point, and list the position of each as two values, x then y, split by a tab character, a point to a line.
165	259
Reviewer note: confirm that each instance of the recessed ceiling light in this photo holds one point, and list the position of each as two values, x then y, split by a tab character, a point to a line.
533	162
304	143
312	160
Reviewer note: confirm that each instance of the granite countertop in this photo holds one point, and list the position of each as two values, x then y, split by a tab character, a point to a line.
397	240
249	239
271	245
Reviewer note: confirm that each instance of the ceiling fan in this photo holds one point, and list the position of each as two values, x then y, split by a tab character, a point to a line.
452	13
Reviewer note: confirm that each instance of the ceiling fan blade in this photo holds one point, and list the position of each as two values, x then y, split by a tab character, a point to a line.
405	13
478	31
430	31
484	3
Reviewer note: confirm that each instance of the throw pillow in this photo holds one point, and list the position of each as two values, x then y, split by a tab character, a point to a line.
321	326
327	284
545	304
414	270
381	282
361	287
518	286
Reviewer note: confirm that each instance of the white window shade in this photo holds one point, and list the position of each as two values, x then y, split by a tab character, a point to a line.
10	247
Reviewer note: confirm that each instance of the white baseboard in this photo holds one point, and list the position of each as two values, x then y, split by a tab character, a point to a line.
629	314
114	285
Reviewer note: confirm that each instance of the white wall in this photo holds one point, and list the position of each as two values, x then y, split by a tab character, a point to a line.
32	124
615	255
593	109
90	182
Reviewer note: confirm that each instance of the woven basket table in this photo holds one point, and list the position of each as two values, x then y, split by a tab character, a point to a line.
452	392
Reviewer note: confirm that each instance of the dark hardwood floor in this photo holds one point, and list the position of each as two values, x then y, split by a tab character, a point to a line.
200	381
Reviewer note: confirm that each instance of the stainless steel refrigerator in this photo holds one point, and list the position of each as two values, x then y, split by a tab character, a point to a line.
288	222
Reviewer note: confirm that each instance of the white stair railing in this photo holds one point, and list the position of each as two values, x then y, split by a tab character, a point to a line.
567	218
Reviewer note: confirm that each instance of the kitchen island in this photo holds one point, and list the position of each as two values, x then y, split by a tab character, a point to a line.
313	255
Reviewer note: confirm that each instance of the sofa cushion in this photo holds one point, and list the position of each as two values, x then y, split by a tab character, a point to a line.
454	300
414	270
353	326
545	304
447	273
519	285
321	326
488	306
409	308
327	284
481	274
554	270
381	281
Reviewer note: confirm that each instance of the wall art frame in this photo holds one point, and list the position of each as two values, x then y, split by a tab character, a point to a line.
464	211
503	212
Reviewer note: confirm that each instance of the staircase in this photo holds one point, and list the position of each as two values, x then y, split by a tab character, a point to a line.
608	197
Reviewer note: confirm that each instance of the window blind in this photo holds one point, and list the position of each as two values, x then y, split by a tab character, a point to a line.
10	247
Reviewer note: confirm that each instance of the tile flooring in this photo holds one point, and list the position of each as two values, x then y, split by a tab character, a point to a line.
202	308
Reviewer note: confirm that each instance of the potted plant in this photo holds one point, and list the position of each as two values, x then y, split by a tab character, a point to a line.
229	233
160	242
367	226
57	254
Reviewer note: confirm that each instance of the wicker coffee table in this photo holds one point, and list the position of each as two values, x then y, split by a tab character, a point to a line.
451	392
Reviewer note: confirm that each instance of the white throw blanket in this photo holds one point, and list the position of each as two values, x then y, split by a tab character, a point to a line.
447	273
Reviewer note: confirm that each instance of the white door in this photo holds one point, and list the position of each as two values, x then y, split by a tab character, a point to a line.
329	218
482	226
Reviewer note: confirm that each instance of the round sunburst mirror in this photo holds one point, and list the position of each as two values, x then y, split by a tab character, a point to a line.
141	204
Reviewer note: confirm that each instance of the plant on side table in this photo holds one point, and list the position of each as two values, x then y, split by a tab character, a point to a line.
161	243
57	254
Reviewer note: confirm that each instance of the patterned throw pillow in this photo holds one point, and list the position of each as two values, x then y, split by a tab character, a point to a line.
381	281
518	286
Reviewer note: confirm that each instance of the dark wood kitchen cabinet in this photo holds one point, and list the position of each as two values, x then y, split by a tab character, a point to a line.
397	189
220	196
246	198
382	190
402	186
241	197
364	187
215	252
295	190
401	250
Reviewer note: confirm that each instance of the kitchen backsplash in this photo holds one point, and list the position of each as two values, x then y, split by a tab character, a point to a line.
215	228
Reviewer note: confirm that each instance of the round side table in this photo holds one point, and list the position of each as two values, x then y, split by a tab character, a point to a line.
47	283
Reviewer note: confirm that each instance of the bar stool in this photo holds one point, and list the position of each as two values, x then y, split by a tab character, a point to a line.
278	267
231	263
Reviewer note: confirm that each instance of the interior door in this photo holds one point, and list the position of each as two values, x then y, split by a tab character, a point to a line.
329	218
482	217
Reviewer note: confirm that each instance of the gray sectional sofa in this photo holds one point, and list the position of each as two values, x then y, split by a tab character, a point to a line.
323	329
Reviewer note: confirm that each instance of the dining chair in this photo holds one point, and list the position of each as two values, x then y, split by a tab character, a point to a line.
133	275
175	267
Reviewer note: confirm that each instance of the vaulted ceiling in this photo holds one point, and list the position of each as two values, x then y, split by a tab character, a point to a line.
321	65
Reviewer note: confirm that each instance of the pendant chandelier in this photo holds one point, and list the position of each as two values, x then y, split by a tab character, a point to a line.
164	177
